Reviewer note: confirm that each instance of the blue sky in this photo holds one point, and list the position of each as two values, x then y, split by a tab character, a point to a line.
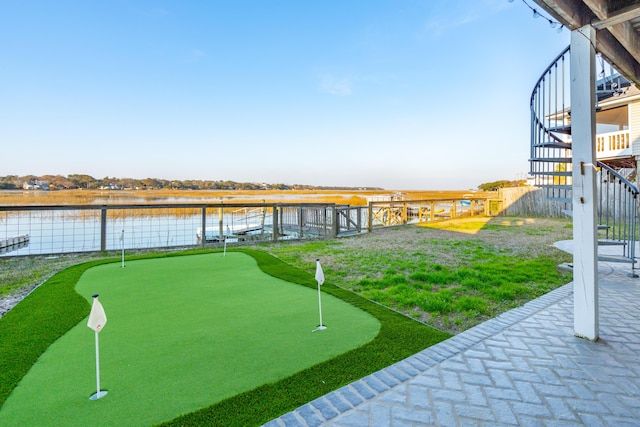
399	94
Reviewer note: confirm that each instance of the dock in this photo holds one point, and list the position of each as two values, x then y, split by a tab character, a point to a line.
13	243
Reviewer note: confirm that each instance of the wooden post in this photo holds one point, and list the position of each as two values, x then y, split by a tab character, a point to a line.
336	222
203	235
404	213
103	229
300	220
585	257
274	232
370	225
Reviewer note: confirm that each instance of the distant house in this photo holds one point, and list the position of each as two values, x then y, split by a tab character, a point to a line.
35	185
111	186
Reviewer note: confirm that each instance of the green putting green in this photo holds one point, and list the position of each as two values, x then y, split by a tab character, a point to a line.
182	333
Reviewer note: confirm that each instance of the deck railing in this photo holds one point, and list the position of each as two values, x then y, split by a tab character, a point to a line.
386	214
91	228
613	145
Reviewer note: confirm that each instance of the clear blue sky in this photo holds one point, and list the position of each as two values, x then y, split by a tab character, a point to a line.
400	94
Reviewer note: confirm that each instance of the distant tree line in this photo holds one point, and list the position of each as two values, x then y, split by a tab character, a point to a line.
87	182
495	185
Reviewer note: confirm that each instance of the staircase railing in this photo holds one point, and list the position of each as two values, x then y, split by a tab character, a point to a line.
617	212
550	161
550	165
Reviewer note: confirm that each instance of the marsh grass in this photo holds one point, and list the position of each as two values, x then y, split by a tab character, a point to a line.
100	197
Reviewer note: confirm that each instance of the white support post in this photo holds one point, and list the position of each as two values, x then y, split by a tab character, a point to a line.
585	239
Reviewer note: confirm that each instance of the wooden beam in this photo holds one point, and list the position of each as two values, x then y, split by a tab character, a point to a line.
618	41
598	7
618	17
628	38
619	57
618	24
572	14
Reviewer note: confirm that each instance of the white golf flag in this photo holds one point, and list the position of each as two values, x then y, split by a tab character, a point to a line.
97	317
319	273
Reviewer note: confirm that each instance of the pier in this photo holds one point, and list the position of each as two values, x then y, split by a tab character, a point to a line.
13	243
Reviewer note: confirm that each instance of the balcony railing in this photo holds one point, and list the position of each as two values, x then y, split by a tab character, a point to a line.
613	145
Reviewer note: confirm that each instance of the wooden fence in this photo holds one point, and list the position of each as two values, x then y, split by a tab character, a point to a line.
528	201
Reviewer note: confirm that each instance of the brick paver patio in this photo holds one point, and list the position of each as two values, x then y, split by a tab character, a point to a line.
524	367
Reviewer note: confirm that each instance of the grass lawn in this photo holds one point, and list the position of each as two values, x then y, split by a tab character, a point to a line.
450	274
224	341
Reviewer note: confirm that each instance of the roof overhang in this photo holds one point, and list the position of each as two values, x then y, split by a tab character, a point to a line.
617	23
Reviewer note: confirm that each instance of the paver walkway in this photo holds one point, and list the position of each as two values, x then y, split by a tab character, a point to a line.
524	367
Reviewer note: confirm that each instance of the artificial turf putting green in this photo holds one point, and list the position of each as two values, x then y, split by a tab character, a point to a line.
182	334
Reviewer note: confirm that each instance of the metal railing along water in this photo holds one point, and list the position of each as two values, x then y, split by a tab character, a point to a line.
89	228
50	230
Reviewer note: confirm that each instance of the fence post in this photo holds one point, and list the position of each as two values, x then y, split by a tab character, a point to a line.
404	213
336	222
370	225
103	229
359	219
274	233
300	221
203	234
324	220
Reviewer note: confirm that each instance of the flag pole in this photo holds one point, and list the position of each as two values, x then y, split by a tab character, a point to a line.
321	327
320	279
224	253
98	394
